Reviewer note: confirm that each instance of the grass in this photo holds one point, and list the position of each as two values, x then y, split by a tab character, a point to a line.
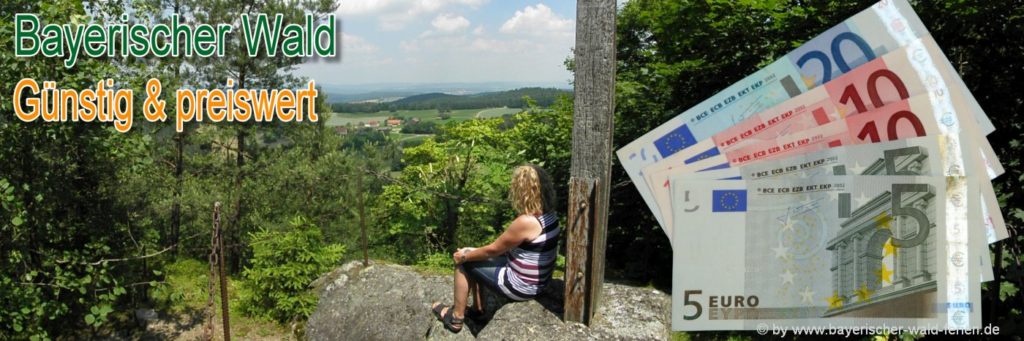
338	119
186	293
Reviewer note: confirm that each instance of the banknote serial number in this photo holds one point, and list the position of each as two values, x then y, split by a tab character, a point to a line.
729	100
801	189
792	168
718	305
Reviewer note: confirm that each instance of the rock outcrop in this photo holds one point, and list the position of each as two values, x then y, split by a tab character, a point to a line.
392	302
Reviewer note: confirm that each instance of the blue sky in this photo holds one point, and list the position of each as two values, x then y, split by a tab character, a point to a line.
442	41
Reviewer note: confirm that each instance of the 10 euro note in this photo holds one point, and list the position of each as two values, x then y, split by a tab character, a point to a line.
797	252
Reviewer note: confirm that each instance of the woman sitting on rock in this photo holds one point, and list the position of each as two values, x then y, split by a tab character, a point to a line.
520	262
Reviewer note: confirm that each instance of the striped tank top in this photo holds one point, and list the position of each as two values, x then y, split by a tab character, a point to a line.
531	264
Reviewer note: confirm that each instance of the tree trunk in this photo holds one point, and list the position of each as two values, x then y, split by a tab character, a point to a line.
179	168
231	252
179	171
451	210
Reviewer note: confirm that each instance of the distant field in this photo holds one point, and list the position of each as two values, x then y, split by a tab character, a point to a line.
496	112
338	119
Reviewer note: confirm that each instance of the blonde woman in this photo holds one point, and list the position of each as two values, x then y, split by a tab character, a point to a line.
520	262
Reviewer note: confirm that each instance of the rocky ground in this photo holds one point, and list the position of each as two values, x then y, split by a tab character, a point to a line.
392	302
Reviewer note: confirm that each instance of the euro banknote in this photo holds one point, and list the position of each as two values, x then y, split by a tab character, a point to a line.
921	115
799	252
916	156
886	26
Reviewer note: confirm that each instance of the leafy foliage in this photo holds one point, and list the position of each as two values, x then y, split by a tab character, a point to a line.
63	229
284	263
421	127
185	288
452	189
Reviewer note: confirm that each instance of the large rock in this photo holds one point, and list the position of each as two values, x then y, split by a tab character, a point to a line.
392	302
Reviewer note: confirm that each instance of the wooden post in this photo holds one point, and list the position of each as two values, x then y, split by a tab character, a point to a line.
362	219
591	157
219	233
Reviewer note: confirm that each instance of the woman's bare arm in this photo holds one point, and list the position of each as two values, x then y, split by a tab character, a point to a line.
521	229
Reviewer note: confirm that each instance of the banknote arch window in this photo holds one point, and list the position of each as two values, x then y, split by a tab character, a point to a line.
868	260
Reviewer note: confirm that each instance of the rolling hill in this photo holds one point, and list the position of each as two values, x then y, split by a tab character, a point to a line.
511	98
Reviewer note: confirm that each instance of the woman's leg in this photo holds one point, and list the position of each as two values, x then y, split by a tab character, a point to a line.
470	278
461	292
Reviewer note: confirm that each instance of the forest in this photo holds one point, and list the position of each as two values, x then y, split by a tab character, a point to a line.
96	224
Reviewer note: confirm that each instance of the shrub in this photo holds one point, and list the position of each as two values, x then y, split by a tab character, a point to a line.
436	263
421	127
186	286
284	263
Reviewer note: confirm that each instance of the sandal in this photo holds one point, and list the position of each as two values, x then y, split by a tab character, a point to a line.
449	320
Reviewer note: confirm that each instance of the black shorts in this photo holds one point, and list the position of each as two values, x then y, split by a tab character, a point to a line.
486	271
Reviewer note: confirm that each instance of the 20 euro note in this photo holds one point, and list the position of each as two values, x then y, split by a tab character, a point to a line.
921	115
885	27
795	252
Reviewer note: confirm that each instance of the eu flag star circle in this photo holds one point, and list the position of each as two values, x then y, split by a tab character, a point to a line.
729	200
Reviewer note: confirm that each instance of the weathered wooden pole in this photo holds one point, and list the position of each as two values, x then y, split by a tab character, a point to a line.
225	317
591	157
362	218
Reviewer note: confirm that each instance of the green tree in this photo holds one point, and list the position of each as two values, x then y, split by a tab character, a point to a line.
452	189
67	238
261	71
284	264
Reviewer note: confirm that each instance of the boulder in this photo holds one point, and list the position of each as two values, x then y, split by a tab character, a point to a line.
392	302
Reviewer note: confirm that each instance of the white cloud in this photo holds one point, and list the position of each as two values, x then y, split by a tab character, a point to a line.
448	41
534	31
408	46
364	7
356	44
449	23
394	15
537	20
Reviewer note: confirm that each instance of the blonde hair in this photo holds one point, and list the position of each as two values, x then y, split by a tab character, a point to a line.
531	191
